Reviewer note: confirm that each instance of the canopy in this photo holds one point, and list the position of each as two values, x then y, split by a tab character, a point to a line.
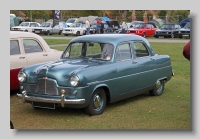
158	22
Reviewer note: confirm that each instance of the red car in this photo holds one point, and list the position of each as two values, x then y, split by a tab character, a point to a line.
143	29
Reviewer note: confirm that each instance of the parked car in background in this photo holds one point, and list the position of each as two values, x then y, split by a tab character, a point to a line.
25	26
169	30
27	49
48	29
185	31
93	28
71	21
75	29
143	29
133	23
184	22
95	70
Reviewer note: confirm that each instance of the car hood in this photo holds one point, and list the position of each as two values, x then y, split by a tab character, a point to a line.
185	29
164	30
41	27
20	27
60	70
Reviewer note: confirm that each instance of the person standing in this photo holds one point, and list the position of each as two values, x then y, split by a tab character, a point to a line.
98	26
102	27
186	51
87	23
123	27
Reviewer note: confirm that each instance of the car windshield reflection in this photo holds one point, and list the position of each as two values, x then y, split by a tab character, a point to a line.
90	51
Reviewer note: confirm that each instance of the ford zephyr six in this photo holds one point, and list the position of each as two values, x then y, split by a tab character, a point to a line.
95	70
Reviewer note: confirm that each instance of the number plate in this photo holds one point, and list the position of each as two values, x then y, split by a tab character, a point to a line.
161	36
37	31
43	105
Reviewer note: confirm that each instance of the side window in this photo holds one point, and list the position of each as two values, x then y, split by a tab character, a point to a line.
123	52
140	49
31	46
14	47
32	24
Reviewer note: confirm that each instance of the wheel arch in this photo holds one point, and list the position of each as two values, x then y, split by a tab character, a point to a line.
105	88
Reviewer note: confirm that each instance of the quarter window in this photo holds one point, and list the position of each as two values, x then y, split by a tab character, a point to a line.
14	47
31	46
140	49
123	52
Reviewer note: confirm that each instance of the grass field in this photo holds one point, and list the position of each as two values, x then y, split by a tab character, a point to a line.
170	111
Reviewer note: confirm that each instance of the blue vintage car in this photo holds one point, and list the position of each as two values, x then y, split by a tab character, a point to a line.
95	70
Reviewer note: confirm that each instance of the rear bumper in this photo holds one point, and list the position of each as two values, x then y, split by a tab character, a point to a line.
61	101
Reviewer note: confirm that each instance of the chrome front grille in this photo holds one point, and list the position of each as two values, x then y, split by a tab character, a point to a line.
47	87
44	87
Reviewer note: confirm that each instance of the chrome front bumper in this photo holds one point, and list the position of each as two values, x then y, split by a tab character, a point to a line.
61	101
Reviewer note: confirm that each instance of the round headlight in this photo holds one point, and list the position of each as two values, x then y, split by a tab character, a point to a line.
21	77
74	80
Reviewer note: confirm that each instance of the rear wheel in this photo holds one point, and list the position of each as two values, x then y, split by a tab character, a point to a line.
158	89
97	103
59	33
144	34
172	35
78	33
48	32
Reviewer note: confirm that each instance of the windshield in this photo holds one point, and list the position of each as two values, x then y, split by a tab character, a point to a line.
167	26
70	21
46	25
187	25
140	25
76	25
24	24
89	50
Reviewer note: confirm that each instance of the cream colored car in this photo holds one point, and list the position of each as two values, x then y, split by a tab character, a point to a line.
27	49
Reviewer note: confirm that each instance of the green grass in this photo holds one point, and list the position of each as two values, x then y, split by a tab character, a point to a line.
56	41
171	110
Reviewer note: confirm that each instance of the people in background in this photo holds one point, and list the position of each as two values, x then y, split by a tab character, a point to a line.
98	26
102	28
186	51
123	26
87	23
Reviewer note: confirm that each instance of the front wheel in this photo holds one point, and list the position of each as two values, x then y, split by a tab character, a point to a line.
60	32
158	89
97	103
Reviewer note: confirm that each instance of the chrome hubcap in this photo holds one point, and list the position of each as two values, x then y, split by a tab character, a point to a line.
158	86
97	101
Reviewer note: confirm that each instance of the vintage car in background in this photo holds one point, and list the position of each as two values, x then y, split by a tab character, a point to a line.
95	70
71	21
93	28
27	49
185	31
143	29
168	30
75	29
25	26
48	29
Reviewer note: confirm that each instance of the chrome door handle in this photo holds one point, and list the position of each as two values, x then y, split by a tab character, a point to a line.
134	62
152	58
22	57
45	54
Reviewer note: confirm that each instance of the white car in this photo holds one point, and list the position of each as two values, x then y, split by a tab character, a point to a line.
26	26
71	21
75	29
27	49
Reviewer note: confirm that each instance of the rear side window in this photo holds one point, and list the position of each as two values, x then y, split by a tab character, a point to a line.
31	46
140	49
14	47
123	52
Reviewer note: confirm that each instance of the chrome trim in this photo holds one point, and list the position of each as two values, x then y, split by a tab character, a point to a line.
61	101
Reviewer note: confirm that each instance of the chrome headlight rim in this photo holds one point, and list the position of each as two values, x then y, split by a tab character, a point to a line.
21	77
74	80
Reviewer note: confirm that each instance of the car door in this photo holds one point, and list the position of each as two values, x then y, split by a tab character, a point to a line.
17	61
34	51
126	70
32	26
146	64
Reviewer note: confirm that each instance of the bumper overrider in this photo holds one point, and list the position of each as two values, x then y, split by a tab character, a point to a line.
62	101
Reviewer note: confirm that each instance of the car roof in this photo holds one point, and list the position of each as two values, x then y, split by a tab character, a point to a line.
109	38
